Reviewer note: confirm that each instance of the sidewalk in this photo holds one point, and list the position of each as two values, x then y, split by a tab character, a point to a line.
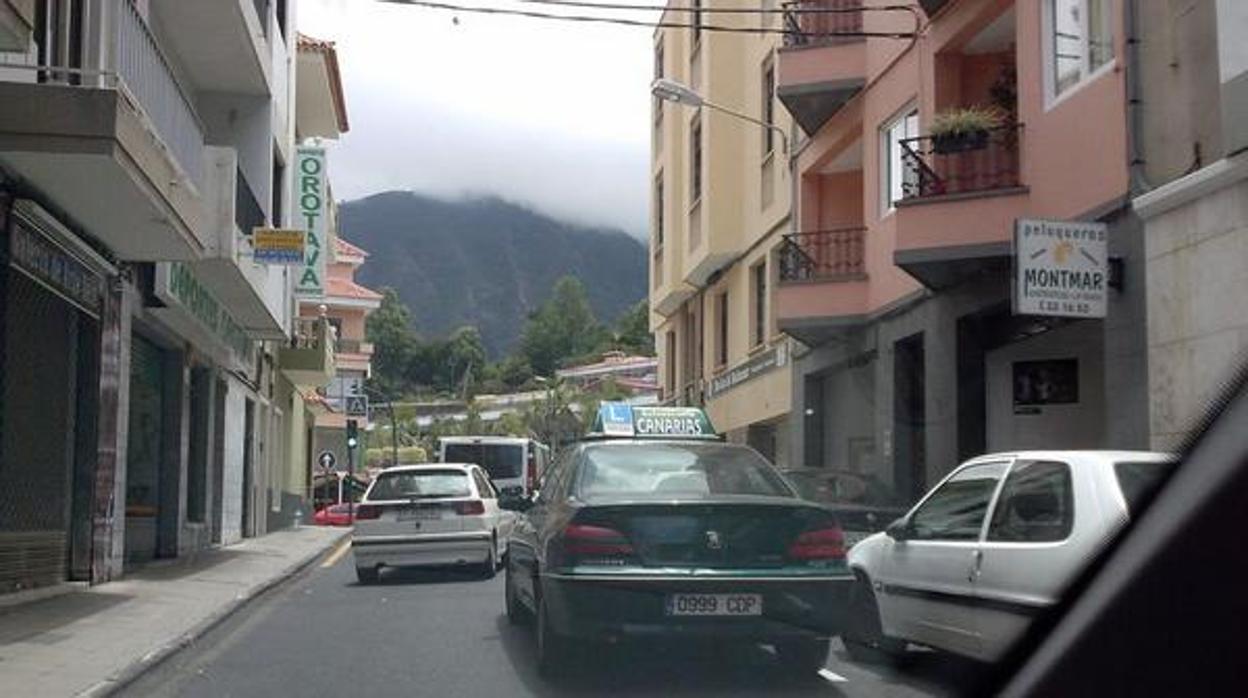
93	640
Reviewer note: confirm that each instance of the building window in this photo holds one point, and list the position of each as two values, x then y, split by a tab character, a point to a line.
1080	40
891	154
279	178
758	311
281	19
695	159
696	21
768	115
721	327
658	211
693	345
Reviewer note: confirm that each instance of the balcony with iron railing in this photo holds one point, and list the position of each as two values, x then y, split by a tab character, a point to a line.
125	128
147	74
823	61
976	163
960	198
823	282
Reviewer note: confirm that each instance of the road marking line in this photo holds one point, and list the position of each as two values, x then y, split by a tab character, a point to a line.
335	556
833	677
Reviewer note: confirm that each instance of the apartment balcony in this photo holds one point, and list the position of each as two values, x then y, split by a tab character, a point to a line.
308	361
822	63
959	203
223	44
119	151
823	283
17	21
255	293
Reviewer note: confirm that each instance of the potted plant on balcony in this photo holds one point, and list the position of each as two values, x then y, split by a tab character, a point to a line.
962	129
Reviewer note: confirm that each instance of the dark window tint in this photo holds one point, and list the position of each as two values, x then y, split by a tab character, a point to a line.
677	469
956	510
424	484
1138	481
1036	504
501	461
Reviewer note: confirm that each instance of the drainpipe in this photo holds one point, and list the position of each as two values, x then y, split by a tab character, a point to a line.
1138	178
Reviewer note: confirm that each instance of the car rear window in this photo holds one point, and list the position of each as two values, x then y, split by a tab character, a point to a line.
501	461
424	484
677	470
1138	480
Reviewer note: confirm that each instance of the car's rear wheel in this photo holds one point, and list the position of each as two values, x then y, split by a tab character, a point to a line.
490	566
367	575
804	656
517	613
864	636
552	648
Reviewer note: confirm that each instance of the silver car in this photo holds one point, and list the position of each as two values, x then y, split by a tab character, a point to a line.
430	515
988	548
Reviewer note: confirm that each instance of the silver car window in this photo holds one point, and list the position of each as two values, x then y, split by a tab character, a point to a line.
1036	505
956	510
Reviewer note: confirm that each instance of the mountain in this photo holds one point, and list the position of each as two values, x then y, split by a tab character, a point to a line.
486	262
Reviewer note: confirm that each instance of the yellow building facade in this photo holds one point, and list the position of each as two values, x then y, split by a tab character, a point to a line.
720	201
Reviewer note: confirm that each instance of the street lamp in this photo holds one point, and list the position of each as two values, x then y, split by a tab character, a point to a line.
672	91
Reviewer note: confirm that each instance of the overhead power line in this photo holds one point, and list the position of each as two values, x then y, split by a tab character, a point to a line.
795	9
433	4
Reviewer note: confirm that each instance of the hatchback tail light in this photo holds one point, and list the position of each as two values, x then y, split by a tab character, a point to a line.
824	543
530	475
474	507
364	512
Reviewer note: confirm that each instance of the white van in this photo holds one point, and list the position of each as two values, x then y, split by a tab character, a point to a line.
515	464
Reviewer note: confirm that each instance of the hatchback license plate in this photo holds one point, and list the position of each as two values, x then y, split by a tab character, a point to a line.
714	604
423	514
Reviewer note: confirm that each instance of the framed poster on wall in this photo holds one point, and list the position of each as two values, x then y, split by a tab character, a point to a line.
1047	382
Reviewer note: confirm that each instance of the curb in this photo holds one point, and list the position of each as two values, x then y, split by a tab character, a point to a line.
154	658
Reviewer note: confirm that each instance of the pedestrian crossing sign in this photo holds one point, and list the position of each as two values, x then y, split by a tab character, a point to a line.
357	405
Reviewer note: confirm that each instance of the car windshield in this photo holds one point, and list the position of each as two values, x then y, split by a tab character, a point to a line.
501	461
685	470
422	484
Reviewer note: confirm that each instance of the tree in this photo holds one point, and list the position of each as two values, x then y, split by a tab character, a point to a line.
465	358
389	329
564	327
632	330
514	371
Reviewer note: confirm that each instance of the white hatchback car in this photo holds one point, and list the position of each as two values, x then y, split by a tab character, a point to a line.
430	515
989	547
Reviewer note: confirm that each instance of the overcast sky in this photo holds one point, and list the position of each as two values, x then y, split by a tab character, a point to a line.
553	114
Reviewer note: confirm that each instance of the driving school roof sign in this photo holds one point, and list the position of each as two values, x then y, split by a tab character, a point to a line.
622	419
1060	268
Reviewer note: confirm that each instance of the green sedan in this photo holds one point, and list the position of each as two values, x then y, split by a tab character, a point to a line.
674	537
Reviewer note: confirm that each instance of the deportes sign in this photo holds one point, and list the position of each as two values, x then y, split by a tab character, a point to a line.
1061	268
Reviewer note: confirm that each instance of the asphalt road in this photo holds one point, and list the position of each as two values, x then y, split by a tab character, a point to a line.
445	634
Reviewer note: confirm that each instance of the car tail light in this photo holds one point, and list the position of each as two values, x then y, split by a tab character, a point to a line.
367	511
473	507
825	543
595	541
530	476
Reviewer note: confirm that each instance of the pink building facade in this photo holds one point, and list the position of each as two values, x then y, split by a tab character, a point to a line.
898	276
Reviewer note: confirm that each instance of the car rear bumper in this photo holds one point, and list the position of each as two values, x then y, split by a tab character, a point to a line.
422	550
605	608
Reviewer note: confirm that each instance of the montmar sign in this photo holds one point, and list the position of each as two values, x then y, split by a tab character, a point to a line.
310	210
1061	268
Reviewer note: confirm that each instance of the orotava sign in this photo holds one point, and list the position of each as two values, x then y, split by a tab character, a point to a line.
1061	268
310	216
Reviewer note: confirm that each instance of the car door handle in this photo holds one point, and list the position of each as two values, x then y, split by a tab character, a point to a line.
977	561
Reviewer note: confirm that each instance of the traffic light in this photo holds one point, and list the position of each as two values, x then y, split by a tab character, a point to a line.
353	433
